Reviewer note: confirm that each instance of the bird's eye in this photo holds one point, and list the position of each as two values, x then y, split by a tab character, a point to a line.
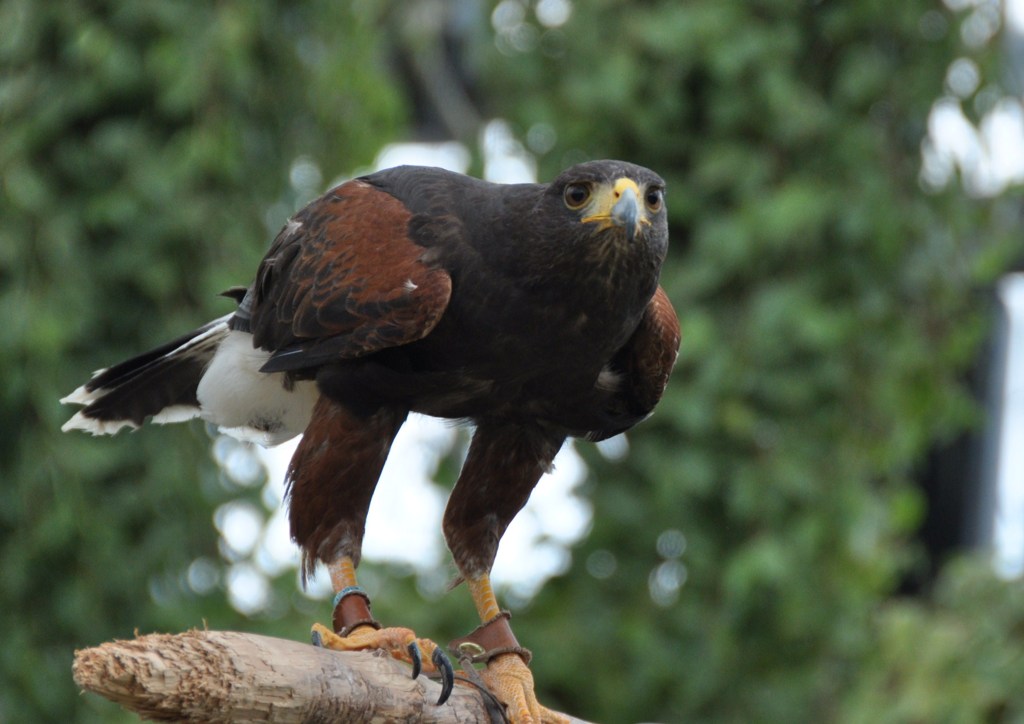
576	195
654	198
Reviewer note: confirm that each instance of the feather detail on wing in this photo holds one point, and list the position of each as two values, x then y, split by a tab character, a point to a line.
344	279
642	367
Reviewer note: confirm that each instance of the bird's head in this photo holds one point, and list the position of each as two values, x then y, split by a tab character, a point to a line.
616	202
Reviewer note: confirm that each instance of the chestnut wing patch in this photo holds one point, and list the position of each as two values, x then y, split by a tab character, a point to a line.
342	280
644	363
652	352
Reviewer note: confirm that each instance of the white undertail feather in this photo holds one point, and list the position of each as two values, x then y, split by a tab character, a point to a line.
81	396
175	413
78	421
248	404
232	393
93	426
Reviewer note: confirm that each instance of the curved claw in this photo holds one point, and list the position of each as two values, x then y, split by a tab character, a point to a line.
417	660
444	665
401	643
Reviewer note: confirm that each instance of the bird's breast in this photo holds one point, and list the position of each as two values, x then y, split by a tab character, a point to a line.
513	337
514	342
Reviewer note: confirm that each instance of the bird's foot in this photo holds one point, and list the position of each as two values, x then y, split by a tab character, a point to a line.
507	675
509	678
401	643
355	629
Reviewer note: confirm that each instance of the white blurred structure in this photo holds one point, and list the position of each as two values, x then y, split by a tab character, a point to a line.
1007	525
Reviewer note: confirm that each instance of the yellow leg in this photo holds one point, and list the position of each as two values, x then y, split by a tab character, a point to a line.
507	675
366	635
483	596
343	574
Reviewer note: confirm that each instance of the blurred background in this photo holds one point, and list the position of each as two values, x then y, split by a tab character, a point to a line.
823	521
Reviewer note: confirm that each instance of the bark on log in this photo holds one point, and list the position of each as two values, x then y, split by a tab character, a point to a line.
223	676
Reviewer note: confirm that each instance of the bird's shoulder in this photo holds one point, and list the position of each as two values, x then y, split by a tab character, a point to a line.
343	278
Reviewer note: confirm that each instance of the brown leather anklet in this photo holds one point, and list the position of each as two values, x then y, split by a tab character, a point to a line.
489	640
351	609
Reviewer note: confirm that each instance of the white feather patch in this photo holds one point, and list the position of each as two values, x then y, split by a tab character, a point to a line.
96	427
249	404
608	380
175	413
258	437
80	396
217	327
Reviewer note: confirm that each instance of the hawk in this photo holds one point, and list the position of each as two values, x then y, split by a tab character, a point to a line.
532	311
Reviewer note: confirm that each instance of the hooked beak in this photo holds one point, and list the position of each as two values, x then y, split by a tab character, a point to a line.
618	205
626	211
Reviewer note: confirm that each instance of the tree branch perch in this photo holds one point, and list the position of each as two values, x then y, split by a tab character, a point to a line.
220	676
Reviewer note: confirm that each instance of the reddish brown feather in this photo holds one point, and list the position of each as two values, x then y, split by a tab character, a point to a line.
503	465
332	476
655	348
347	281
644	363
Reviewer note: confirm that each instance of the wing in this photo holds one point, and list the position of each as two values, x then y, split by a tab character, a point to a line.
342	280
643	366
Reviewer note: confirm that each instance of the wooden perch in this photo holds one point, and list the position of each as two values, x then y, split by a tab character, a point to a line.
221	676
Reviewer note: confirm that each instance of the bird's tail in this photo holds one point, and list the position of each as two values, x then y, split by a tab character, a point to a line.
160	384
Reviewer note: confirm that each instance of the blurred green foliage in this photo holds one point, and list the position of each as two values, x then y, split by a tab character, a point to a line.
743	555
960	659
829	307
142	145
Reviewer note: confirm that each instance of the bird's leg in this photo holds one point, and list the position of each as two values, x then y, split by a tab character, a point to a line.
507	673
483	597
331	477
351	604
355	629
503	465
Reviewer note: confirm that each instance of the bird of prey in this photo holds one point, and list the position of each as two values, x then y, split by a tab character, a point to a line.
532	311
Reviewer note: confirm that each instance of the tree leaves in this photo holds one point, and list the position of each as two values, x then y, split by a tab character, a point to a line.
827	306
142	145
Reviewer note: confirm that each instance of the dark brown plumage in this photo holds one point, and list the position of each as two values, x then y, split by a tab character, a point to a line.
531	310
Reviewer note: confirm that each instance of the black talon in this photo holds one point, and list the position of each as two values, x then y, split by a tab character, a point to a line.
444	665
316	640
417	660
